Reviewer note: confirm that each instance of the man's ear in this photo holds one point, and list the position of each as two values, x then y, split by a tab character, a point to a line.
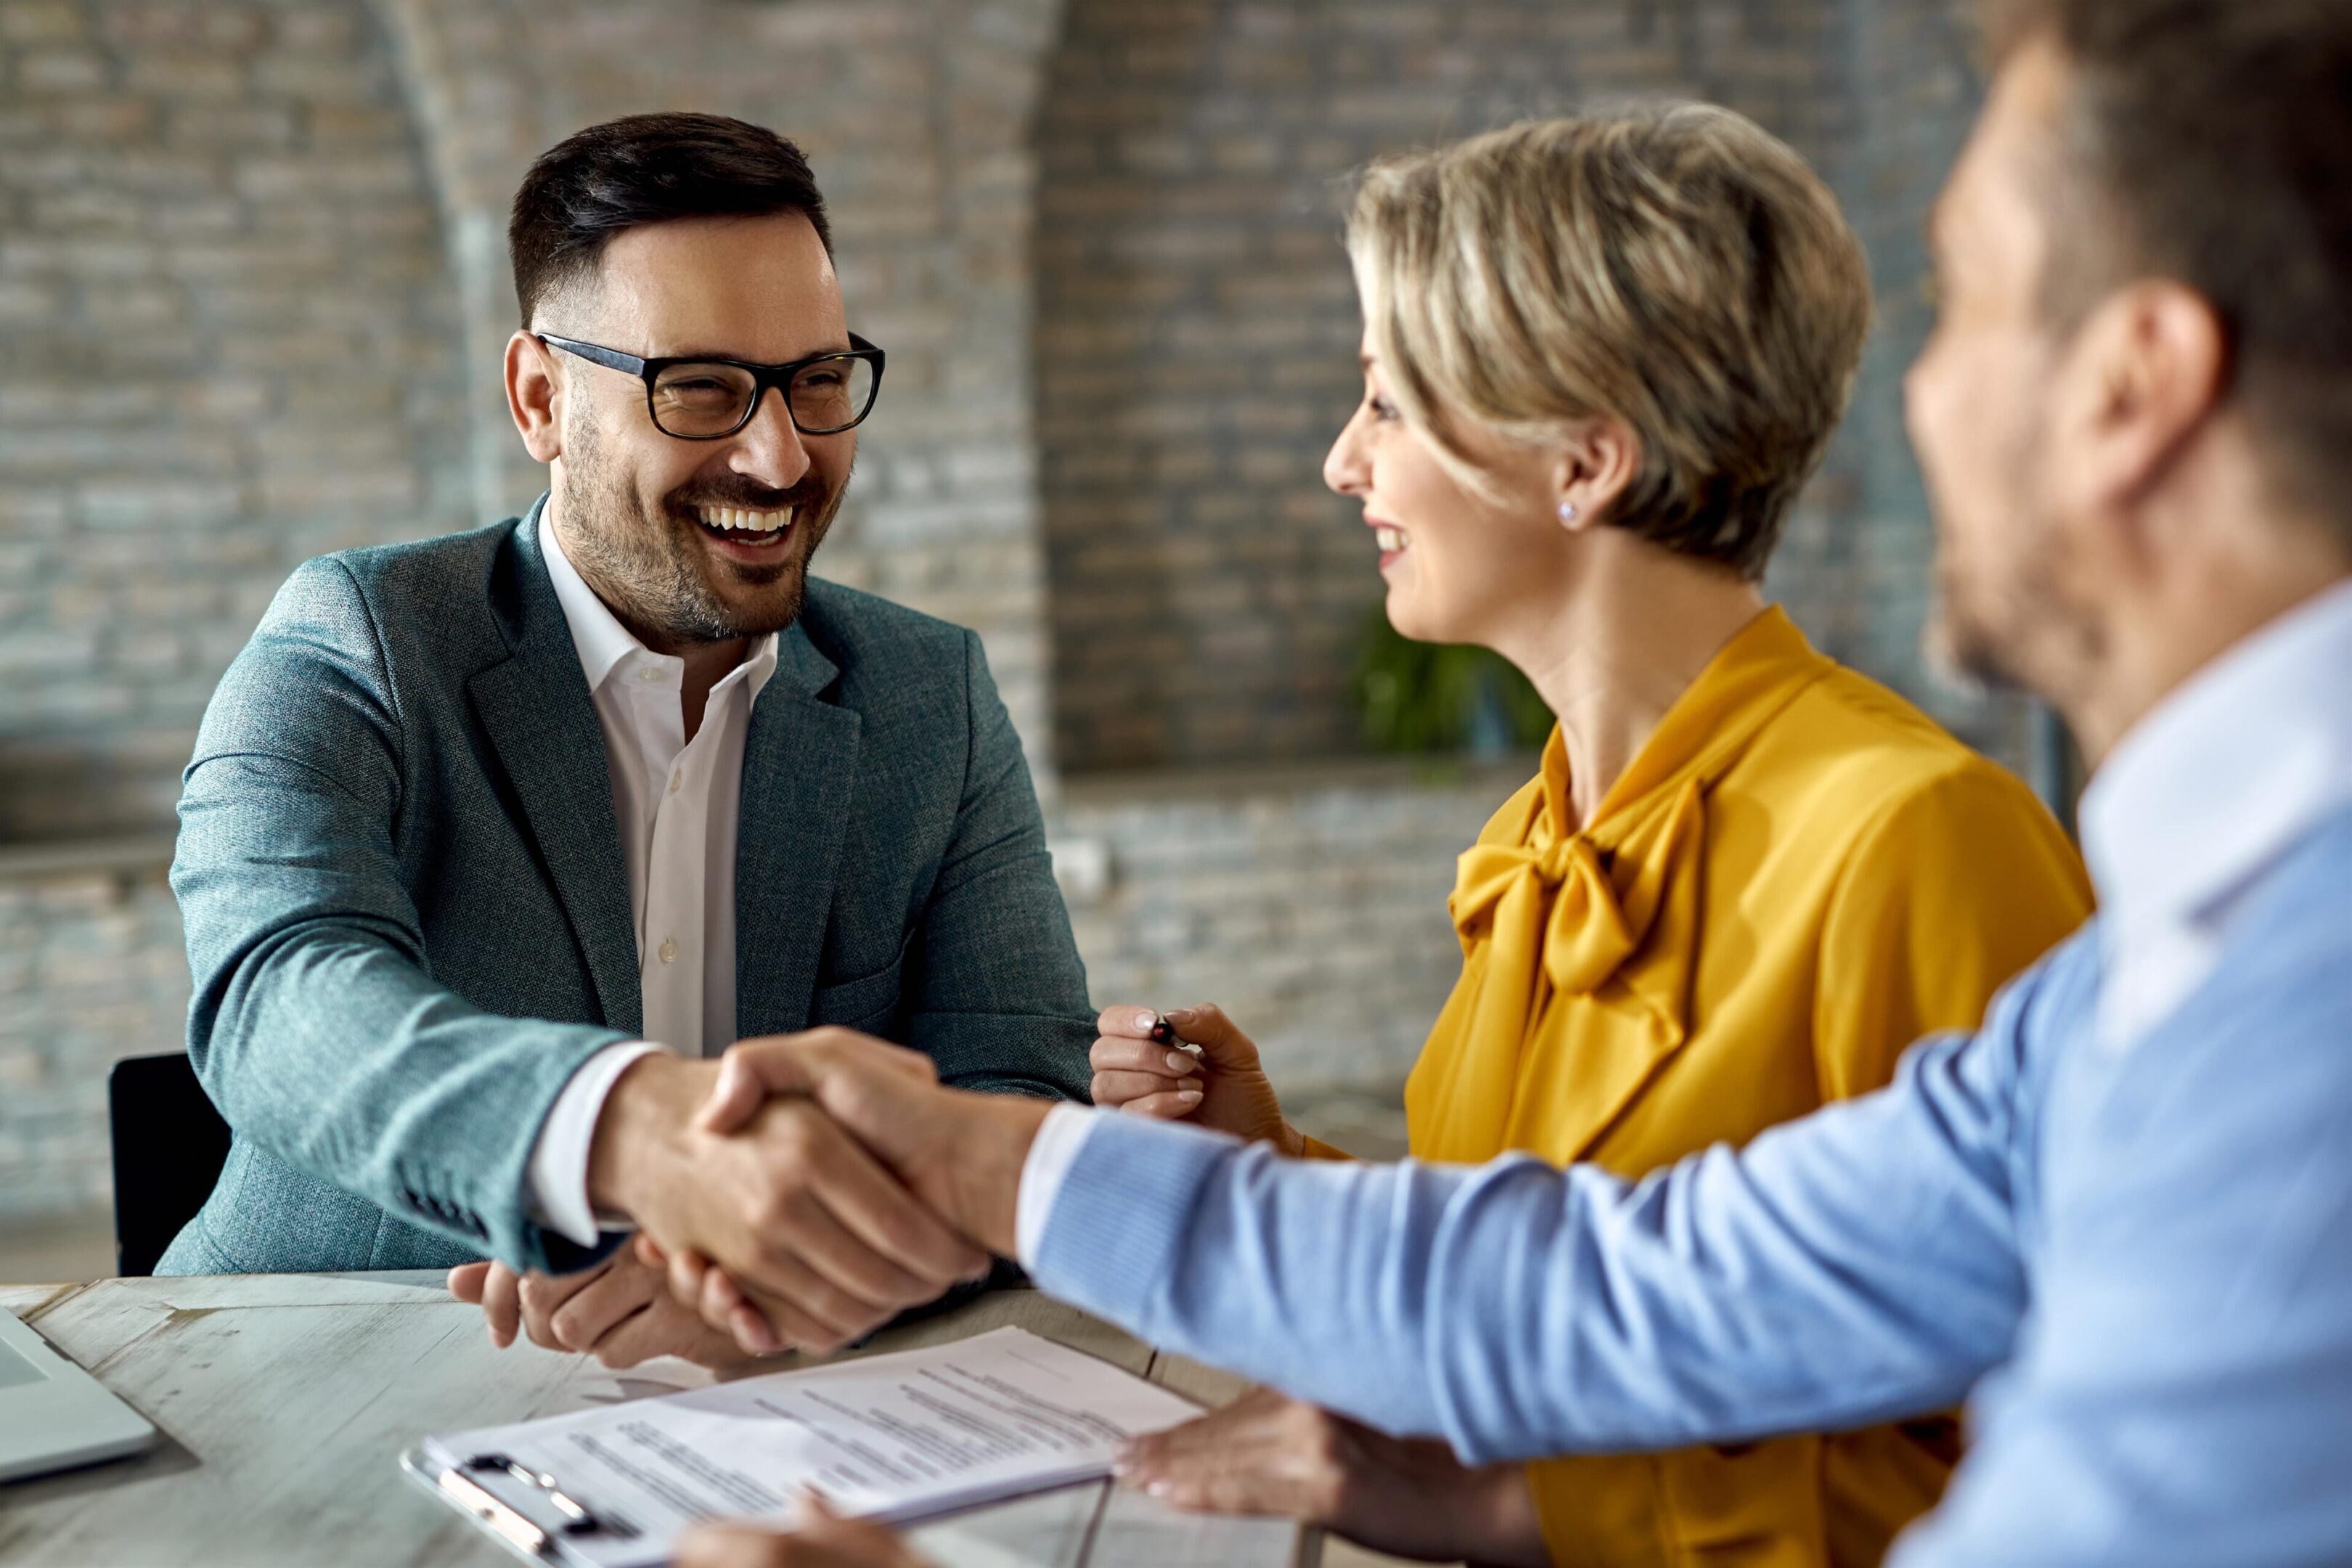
535	396
1597	461
2145	372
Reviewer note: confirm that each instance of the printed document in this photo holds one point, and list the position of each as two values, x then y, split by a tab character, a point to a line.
892	1437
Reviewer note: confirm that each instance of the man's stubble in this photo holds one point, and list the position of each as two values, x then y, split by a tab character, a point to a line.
2010	624
650	567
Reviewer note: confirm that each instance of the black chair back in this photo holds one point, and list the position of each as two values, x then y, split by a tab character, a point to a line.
169	1147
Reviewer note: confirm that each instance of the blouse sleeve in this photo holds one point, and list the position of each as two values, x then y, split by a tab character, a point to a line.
1958	885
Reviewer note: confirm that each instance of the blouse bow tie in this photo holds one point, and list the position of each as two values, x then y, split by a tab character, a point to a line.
1573	911
1560	895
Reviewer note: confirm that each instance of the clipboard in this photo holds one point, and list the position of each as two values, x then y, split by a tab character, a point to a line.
898	1437
467	1487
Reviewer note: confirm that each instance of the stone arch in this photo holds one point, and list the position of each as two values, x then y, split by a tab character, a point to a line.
916	118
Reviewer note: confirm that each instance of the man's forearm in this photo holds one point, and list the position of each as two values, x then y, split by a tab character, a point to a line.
1519	1309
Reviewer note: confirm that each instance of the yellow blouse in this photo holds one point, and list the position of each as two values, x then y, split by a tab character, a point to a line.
1799	875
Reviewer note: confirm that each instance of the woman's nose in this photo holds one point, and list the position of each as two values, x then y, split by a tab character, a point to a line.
1343	466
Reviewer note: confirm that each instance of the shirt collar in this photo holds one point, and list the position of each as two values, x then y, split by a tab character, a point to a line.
603	642
2228	771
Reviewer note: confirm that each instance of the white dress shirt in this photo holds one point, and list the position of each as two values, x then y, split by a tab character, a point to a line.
678	805
2202	794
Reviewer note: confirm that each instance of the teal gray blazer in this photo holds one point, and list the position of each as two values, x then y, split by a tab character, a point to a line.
408	921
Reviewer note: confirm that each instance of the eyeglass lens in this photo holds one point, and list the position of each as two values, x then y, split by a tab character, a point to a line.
700	399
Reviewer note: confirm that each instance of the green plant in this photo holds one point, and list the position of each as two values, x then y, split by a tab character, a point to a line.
1440	697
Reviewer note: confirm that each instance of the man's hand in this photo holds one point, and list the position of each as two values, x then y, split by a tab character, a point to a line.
1225	1087
961	1153
620	1312
785	1199
819	1541
1268	1454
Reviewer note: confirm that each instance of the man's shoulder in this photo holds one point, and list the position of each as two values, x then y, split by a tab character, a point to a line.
866	634
2295	936
432	596
431	570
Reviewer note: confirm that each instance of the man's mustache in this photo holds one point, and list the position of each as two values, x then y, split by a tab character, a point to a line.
803	497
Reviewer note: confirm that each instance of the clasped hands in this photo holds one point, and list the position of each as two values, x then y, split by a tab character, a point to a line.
827	1173
804	1189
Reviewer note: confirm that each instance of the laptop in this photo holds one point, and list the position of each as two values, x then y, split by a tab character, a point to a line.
53	1415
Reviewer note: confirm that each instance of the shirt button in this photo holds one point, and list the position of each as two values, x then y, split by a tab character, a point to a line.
668	952
675	779
649	673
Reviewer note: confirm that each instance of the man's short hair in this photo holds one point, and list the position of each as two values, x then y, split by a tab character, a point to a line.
2210	142
647	169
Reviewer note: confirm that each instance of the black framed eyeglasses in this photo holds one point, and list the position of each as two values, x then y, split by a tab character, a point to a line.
710	399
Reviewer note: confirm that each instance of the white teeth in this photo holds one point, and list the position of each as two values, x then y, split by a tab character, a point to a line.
1389	538
748	521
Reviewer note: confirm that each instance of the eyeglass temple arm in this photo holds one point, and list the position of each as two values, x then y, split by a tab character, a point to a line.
612	359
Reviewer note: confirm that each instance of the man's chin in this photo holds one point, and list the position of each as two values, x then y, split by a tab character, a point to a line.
756	597
1968	654
754	606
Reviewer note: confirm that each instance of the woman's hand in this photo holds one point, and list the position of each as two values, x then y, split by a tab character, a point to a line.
1268	1454
1225	1086
620	1312
819	1541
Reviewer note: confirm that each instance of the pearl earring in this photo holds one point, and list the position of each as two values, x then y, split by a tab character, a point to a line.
1568	511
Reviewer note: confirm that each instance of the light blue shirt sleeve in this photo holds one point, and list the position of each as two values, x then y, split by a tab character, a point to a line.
1856	1265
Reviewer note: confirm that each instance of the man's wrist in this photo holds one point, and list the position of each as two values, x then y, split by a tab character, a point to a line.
985	1158
643	1122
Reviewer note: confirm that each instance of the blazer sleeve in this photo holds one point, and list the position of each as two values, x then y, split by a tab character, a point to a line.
315	1024
1000	999
1852	1267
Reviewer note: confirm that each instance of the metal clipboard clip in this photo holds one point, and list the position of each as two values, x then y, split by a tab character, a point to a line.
457	1484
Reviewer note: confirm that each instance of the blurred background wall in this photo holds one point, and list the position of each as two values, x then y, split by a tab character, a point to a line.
253	289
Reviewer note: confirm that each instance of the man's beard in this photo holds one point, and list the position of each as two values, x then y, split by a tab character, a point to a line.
651	568
2011	626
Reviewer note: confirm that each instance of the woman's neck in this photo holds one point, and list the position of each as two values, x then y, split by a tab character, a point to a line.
1613	653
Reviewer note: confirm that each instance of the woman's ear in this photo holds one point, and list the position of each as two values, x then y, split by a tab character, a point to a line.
1596	461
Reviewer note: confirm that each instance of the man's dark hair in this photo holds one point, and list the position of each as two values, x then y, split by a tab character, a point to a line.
2210	142
647	169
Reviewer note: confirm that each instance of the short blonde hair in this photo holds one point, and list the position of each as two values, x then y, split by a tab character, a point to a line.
1675	267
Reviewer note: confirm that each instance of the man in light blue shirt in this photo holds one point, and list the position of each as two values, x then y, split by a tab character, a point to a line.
2117	1220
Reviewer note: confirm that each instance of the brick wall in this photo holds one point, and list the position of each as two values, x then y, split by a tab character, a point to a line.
914	114
1915	88
1197	325
253	289
91	969
227	343
1310	904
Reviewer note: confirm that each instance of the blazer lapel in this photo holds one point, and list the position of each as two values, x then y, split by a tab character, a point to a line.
535	710
799	758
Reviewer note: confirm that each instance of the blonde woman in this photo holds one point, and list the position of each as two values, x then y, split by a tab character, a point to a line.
1600	357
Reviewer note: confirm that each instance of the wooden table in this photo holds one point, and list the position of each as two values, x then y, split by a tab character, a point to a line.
284	1400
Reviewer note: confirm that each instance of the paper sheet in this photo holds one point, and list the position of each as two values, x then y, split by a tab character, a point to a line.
893	1437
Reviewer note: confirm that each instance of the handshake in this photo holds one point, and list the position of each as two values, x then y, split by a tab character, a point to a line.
795	1194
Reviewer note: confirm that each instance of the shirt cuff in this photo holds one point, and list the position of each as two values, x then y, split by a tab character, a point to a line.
558	1161
1052	1152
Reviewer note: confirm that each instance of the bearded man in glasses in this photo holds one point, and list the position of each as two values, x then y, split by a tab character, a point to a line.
490	841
